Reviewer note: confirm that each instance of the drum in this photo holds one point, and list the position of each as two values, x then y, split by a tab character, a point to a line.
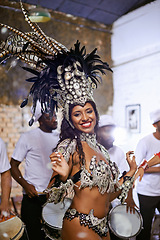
11	229
52	216
124	224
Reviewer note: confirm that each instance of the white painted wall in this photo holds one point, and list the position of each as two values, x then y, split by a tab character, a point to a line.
136	68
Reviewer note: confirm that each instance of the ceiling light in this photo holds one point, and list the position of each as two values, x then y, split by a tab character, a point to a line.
39	14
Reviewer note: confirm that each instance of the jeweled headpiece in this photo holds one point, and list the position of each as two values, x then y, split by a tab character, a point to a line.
62	76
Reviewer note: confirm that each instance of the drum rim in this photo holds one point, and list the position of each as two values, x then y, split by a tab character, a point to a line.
47	233
44	221
20	231
56	228
109	221
9	219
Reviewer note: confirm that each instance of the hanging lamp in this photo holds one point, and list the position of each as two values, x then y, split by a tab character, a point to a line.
39	14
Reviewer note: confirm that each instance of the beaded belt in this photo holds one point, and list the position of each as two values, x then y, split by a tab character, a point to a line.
98	225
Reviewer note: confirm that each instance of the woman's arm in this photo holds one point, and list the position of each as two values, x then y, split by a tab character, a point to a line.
60	186
126	181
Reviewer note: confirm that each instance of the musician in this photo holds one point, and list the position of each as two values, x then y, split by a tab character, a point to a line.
148	188
105	136
34	147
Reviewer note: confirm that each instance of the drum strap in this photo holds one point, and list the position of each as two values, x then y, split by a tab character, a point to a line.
56	181
77	176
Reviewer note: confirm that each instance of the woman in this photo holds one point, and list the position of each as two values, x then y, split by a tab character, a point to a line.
66	79
93	186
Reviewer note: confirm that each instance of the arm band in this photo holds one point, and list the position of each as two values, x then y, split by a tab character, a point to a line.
144	165
58	193
157	154
125	187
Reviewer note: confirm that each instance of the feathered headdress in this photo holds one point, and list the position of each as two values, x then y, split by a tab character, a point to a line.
61	76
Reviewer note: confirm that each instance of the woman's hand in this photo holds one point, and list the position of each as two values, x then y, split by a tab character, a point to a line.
139	174
59	165
131	161
130	202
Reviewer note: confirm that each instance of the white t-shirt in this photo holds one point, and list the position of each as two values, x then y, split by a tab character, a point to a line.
146	148
117	155
35	147
4	162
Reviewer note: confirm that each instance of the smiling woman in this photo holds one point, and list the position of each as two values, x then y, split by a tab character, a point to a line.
84	118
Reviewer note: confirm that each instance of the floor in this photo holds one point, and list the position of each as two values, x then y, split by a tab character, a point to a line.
156	228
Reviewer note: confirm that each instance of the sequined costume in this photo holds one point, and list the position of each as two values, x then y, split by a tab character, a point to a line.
103	175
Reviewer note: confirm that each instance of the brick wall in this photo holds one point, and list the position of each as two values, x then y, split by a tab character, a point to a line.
14	121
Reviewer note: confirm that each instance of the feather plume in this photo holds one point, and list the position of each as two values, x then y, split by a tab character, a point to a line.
45	56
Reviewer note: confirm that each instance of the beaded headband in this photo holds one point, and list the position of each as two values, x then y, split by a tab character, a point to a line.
62	76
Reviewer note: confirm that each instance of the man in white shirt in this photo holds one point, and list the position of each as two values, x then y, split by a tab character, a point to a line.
149	188
35	146
5	181
105	136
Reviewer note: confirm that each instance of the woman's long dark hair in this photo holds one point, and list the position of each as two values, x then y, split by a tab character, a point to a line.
72	133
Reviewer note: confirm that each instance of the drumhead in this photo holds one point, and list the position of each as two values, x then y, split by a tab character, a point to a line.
52	214
124	224
11	229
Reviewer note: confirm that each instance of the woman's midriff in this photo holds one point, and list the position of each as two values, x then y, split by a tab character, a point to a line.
87	199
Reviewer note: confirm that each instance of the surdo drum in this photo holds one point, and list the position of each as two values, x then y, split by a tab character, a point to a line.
124	224
52	216
11	229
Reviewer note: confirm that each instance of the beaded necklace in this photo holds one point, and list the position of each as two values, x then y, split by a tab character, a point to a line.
91	140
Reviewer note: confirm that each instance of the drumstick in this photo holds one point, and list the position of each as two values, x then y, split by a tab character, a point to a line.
40	193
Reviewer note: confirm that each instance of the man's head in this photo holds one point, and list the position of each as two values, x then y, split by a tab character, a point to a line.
155	119
47	123
105	131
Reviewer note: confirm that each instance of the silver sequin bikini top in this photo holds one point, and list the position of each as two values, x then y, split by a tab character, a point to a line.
100	176
103	174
